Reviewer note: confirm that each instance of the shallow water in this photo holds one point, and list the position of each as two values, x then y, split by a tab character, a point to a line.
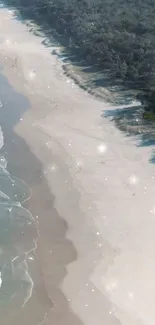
18	235
18	229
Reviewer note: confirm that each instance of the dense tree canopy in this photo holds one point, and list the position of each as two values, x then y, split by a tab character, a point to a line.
118	35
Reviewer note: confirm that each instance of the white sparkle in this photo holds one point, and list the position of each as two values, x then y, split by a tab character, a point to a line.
131	295
36	217
86	305
31	258
7	41
97	233
102	148
21	119
111	286
86	284
153	210
93	290
0	279
31	75
54	168
112	311
133	180
50	251
79	165
100	245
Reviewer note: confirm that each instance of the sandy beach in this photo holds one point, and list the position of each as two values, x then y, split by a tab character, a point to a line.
92	194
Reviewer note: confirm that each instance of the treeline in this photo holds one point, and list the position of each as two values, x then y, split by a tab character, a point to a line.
117	35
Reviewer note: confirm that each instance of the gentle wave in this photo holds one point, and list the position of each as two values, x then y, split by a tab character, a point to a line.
18	237
1	138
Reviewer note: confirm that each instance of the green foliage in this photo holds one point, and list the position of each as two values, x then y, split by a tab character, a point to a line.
118	35
149	116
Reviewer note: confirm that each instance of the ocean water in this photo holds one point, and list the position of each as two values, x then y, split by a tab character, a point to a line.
18	228
18	238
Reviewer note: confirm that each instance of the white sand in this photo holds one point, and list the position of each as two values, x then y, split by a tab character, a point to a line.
103	185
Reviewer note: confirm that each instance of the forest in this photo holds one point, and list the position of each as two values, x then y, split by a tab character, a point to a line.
118	36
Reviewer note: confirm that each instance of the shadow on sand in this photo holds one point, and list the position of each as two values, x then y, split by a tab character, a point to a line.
87	74
131	122
90	78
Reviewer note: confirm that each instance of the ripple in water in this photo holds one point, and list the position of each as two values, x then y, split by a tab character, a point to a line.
18	238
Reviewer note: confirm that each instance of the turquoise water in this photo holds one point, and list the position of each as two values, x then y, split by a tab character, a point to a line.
18	238
18	230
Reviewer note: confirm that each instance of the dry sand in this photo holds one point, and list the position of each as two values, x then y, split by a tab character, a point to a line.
103	187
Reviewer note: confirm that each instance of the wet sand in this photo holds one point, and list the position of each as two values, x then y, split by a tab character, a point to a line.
92	194
54	250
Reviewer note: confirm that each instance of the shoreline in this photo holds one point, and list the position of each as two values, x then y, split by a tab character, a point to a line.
102	188
41	204
23	164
